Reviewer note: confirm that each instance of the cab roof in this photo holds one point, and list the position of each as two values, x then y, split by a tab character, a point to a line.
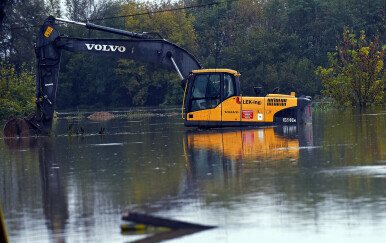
217	70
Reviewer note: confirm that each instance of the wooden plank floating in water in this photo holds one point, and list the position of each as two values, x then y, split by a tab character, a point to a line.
141	218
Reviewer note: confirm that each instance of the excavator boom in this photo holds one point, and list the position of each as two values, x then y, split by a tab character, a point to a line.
49	46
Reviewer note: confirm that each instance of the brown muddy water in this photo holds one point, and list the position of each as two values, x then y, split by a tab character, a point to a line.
319	183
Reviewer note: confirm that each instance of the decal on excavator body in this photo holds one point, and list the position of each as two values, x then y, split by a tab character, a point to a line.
99	47
48	31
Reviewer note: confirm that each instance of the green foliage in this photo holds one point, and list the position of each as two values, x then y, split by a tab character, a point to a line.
356	75
316	23
16	90
53	8
16	45
242	35
86	80
145	83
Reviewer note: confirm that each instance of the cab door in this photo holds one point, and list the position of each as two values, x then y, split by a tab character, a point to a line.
205	98
231	104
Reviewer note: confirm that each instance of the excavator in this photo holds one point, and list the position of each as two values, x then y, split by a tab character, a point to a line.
212	97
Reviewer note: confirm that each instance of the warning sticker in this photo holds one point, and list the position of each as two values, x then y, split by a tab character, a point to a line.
247	114
48	31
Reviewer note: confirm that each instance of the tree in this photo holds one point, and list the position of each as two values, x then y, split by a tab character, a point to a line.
2	14
16	90
356	75
20	26
53	8
89	80
148	84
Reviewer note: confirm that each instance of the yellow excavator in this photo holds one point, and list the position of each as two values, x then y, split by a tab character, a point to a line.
212	97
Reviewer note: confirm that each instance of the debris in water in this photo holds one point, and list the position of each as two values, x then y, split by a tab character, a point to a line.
140	218
69	129
101	131
160	229
80	131
101	116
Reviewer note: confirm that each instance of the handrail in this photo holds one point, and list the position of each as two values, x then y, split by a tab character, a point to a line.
183	101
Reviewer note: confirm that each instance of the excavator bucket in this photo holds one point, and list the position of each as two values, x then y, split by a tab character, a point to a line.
18	127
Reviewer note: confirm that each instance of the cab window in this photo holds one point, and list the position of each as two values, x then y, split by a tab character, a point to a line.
206	92
229	86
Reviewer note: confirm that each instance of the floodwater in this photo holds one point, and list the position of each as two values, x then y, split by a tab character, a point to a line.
319	183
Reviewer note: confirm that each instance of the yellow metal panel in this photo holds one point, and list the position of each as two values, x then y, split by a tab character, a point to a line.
246	109
206	115
281	95
202	115
231	109
221	70
215	114
252	109
274	105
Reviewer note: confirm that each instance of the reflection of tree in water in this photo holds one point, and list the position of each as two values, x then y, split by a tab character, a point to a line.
345	163
352	137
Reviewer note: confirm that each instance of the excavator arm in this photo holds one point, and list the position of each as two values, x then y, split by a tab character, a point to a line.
49	46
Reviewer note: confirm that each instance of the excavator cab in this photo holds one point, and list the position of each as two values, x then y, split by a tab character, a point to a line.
209	87
205	91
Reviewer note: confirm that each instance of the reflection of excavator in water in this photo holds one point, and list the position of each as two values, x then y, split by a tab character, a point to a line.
212	97
233	158
282	142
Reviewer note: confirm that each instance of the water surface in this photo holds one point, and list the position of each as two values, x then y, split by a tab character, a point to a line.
319	183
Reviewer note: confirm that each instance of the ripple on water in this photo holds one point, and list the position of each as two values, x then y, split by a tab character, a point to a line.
106	144
376	171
